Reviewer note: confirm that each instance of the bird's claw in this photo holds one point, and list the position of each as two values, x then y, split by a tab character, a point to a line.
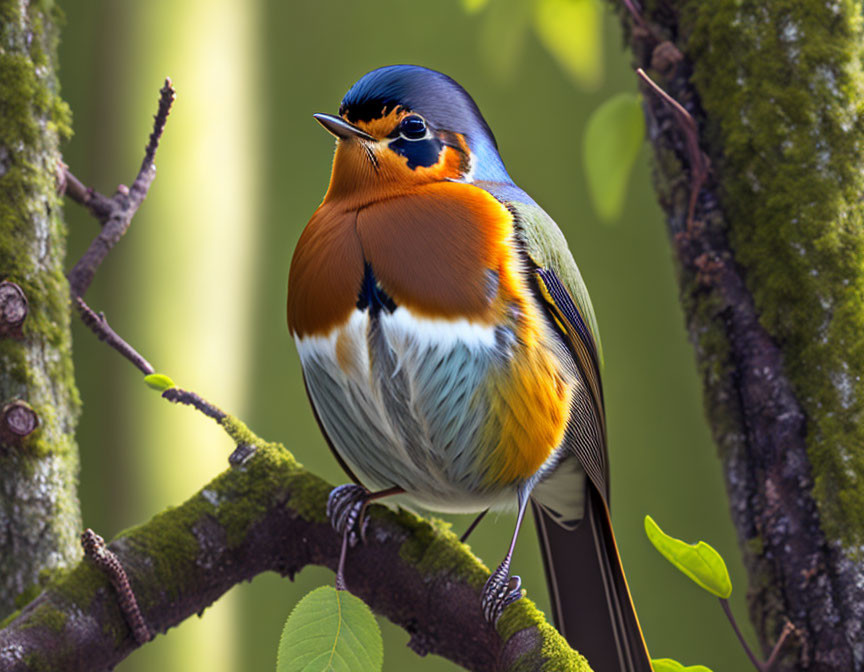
345	511
501	590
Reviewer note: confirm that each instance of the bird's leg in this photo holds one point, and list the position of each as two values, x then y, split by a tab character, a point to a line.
501	589
473	524
346	509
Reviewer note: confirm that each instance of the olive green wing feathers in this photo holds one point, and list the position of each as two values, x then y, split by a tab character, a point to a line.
547	247
564	297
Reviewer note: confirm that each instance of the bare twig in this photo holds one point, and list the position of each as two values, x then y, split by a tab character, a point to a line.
96	550
177	396
788	629
635	13
698	161
115	213
142	182
640	22
99	326
99	206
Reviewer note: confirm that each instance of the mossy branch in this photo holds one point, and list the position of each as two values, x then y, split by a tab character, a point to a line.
266	513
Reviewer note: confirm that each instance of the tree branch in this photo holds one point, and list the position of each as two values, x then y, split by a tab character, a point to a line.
116	213
267	514
99	326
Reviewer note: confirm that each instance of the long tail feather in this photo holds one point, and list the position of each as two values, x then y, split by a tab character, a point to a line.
591	602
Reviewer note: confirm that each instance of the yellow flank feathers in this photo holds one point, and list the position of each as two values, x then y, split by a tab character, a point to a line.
529	408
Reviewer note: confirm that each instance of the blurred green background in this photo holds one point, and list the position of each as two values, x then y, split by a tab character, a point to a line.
198	284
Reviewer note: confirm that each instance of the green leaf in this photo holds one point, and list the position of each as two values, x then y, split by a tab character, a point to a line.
613	137
669	665
572	31
474	6
159	382
699	561
330	630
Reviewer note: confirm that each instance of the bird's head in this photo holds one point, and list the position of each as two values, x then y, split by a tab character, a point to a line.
401	126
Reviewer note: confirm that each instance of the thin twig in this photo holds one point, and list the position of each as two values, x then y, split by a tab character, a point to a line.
758	664
698	162
99	326
178	396
99	206
640	20
142	182
788	629
637	16
115	213
106	560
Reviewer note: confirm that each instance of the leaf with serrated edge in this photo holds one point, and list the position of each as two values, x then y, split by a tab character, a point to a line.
612	139
669	665
159	382
330	630
704	565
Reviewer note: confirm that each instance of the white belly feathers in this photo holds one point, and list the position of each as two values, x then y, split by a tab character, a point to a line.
397	395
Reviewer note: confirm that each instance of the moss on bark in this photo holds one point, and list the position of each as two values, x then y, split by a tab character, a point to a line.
39	511
782	87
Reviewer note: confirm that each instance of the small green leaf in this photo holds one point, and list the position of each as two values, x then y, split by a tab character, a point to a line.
572	31
330	631
669	665
159	382
699	561
474	6
613	137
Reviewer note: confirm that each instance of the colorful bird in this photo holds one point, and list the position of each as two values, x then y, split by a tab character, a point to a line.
450	350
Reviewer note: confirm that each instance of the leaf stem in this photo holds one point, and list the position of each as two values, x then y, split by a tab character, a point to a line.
758	664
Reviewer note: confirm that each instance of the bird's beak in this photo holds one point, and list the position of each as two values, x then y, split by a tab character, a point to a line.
341	128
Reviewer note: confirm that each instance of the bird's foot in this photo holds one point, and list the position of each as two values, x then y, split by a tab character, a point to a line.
501	590
345	508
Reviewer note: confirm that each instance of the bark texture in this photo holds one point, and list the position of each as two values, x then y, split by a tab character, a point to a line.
771	271
39	512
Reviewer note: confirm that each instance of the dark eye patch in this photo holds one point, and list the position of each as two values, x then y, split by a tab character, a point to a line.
419	152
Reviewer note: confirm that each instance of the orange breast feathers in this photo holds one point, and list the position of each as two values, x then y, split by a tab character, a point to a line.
441	250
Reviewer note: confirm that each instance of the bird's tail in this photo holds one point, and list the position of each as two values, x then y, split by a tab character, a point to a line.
591	602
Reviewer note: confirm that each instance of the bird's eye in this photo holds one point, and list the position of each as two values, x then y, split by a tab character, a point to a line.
412	127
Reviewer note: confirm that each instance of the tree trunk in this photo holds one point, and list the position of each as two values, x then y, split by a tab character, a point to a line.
39	511
771	273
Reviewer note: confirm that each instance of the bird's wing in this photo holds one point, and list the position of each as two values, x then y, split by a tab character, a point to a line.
563	295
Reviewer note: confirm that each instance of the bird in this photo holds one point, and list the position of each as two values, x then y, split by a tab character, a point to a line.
450	350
